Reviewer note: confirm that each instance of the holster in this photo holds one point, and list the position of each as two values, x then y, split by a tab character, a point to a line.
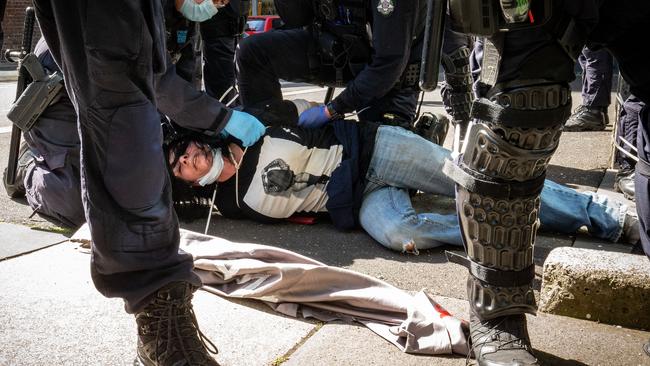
37	95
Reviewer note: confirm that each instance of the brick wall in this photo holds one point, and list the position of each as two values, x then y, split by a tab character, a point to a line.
12	25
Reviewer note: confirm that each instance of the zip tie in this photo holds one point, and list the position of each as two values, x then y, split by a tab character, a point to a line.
226	93
625	152
207	224
628	144
232	100
352	114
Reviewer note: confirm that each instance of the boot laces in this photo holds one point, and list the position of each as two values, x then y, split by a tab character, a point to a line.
490	332
175	319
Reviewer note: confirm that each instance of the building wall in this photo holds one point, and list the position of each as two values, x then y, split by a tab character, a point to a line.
12	25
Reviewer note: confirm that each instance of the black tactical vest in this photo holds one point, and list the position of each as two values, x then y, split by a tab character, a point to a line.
340	29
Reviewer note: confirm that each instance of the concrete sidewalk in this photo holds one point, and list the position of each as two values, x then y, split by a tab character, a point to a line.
52	315
8	74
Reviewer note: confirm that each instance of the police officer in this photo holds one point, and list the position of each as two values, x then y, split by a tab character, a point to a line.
182	41
628	124
597	68
220	35
529	51
113	57
626	136
48	169
371	47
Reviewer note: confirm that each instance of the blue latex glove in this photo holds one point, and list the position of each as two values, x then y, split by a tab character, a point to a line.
245	127
314	117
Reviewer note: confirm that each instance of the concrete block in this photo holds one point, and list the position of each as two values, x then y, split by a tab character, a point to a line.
608	287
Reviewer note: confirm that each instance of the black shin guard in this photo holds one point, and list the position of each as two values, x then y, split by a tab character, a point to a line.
500	175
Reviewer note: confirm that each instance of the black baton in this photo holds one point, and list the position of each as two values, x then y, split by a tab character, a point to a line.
23	80
432	48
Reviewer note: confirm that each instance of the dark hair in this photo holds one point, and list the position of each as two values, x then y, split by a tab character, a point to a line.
190	202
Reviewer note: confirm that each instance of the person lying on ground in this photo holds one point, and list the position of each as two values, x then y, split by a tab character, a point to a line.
338	169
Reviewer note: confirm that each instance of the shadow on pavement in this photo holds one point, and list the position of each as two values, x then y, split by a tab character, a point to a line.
572	177
552	360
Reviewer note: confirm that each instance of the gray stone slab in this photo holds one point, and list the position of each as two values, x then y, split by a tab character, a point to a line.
52	315
604	286
557	340
18	239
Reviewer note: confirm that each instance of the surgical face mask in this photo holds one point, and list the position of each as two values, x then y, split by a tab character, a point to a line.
198	12
215	171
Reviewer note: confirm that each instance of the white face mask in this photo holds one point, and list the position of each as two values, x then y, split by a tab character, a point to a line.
215	171
198	12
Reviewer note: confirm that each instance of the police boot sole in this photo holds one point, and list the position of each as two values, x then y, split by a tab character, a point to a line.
140	362
584	128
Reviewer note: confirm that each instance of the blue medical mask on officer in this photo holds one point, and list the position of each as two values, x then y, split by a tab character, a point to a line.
198	12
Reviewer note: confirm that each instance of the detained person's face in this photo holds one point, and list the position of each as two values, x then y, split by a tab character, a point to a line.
193	164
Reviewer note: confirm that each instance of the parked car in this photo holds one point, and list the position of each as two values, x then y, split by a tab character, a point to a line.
262	23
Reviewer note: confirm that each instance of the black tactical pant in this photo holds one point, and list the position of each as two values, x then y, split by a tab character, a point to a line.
220	35
597	68
110	52
52	182
265	58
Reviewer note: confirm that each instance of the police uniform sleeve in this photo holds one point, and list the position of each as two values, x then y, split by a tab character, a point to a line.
392	33
188	106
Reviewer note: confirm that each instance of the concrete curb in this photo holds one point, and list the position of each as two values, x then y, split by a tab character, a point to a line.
607	287
8	75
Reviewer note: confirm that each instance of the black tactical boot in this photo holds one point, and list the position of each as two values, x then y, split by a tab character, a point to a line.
432	126
587	119
625	183
501	341
168	333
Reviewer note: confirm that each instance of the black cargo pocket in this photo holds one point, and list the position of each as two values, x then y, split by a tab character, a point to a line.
134	166
114	28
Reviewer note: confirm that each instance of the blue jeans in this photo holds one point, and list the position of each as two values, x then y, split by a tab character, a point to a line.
403	160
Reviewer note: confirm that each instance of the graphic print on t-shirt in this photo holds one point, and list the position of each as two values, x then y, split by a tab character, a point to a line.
278	177
291	176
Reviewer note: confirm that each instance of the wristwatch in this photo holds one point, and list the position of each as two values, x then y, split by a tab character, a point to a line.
334	115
